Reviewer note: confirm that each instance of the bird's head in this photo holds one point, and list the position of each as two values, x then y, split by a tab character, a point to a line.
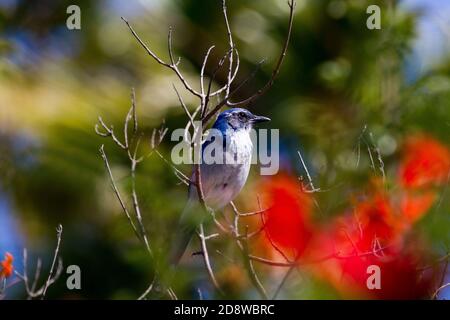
237	119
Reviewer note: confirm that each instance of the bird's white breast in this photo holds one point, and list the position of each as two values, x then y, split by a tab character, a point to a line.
222	182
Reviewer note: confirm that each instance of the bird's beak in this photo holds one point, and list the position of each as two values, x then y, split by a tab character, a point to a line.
258	119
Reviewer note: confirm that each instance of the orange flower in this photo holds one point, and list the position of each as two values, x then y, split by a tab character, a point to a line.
426	162
6	266
414	206
286	222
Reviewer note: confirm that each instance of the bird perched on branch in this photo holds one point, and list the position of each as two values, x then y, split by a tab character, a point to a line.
225	165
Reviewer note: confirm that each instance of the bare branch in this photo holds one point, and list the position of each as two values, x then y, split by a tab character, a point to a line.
180	175
170	49
37	274
59	231
272	242
53	275
310	181
198	184
236	69
208	117
271	262
275	72
202	71
116	191
130	115
206	260
183	105
211	236
200	295
242	243
154	143
134	160
247	214
436	293
211	80
283	282
147	291
172	65
172	294
136	207
231	44
336	255
251	269
109	133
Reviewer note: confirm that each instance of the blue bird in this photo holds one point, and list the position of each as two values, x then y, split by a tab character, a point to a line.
221	182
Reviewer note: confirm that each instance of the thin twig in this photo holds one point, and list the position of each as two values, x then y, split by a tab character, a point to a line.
242	243
135	139
247	214
251	269
206	260
117	193
208	117
275	72
136	207
235	72
310	181
59	231
147	291
211	80
109	133
286	276
31	290
315	261
202	78
231	44
173	66
180	175
435	294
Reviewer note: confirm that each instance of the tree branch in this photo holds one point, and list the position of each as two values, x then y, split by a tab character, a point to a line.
275	72
172	65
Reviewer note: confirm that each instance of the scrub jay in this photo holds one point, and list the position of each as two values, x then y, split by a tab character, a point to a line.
221	180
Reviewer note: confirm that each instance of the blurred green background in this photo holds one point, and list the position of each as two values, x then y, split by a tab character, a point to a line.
337	78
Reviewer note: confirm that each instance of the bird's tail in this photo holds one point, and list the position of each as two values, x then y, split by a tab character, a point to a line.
190	219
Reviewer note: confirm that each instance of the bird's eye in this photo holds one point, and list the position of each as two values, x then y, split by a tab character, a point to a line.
242	115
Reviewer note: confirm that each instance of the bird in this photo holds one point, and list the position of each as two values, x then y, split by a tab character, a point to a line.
221	180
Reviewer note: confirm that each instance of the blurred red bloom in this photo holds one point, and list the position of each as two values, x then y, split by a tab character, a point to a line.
377	222
287	224
426	162
6	266
372	234
414	206
400	277
346	258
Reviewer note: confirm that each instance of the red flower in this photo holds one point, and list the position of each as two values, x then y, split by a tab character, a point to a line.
426	162
398	273
342	259
376	221
286	222
372	234
6	266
